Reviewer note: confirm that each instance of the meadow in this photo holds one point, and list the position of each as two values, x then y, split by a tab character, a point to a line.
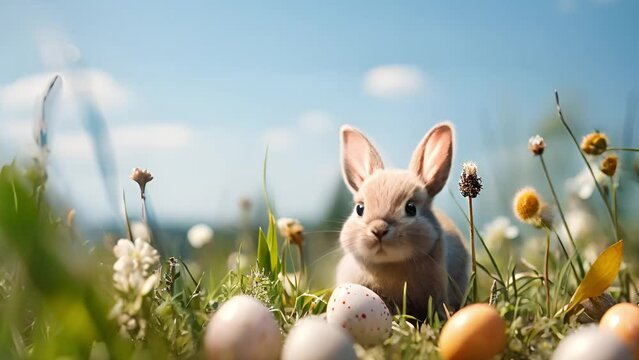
139	291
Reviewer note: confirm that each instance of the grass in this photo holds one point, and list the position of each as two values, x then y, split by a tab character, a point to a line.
57	292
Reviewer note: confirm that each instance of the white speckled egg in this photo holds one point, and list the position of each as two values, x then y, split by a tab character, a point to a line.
243	328
361	312
313	339
592	343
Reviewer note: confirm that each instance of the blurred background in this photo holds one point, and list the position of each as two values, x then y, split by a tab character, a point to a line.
197	92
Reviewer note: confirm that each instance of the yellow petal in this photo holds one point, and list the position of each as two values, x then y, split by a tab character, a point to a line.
600	276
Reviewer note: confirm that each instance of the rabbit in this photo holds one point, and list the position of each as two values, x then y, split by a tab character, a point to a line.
394	235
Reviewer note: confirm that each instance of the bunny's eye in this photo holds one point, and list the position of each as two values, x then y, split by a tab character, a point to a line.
411	209
359	209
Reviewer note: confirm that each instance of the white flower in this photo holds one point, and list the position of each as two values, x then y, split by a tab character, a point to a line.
536	145
583	185
132	268
469	168
498	230
200	235
139	230
134	277
580	223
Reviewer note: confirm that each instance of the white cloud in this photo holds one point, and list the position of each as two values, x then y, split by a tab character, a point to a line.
150	137
279	138
98	85
316	121
394	81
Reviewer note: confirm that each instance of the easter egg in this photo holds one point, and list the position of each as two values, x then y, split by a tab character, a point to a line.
302	342
590	342
361	312
623	320
243	328
475	332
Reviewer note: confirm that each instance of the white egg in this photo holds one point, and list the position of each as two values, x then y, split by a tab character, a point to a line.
592	343
243	328
313	339
361	312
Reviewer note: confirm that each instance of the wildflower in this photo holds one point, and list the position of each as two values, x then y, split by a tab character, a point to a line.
594	143
142	177
609	165
140	230
292	230
583	184
469	183
527	204
498	230
133	278
132	268
200	235
536	145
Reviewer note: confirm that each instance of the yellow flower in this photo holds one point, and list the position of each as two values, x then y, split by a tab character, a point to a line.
609	165
594	143
527	204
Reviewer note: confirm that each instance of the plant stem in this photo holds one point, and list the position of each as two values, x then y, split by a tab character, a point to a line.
622	149
472	247
574	139
302	265
546	278
563	219
614	204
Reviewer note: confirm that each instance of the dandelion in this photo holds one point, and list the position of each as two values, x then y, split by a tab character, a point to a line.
200	235
609	165
469	183
595	143
536	145
530	208
469	186
134	277
527	204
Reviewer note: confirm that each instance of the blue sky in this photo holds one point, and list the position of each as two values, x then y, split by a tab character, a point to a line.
195	92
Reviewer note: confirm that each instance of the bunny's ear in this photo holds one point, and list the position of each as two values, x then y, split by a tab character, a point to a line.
359	157
432	159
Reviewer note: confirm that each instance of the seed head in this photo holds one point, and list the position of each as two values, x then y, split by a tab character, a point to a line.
609	165
292	230
545	219
527	204
536	145
469	183
594	143
141	176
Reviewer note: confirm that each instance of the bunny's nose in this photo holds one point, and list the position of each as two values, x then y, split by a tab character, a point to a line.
379	228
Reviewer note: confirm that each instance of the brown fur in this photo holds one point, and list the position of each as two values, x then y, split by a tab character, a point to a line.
424	250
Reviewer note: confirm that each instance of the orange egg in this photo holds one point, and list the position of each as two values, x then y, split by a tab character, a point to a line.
475	332
623	320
